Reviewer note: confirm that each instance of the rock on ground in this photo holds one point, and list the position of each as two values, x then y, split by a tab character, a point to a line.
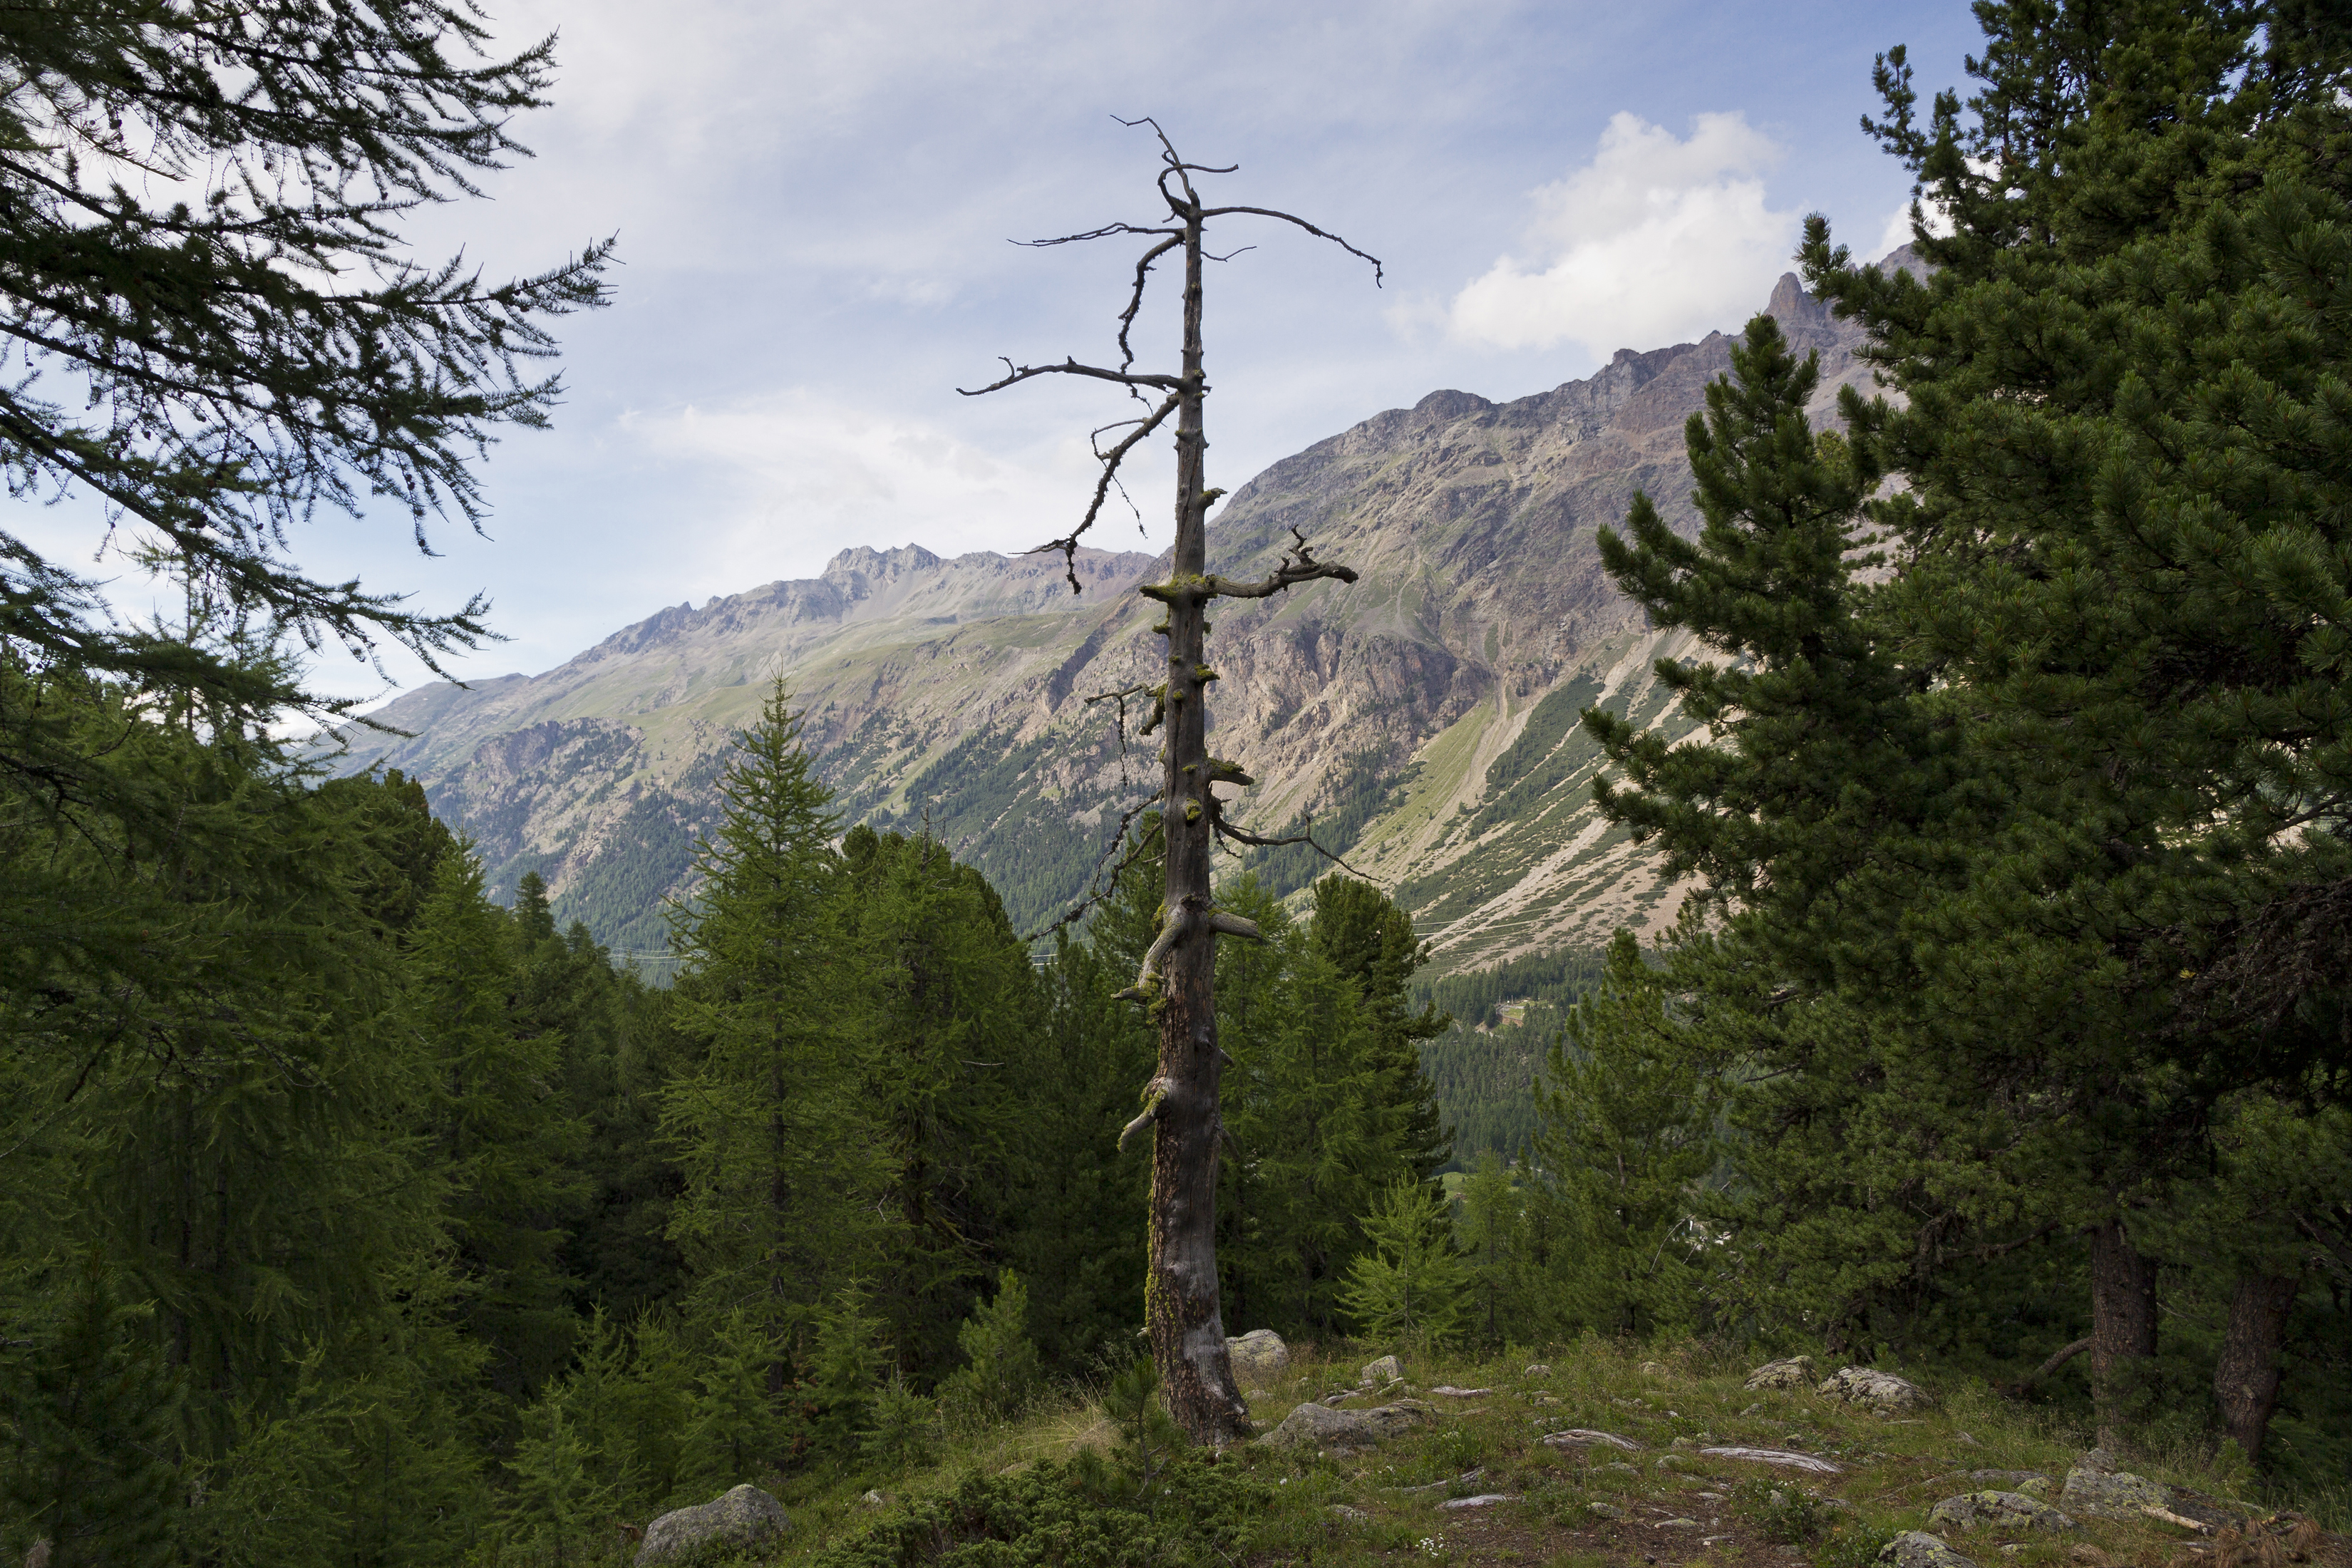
1783	1456
744	1517
1970	1510
1797	1371
1313	1425
1388	1369
1872	1390
1580	1437
1259	1354
1918	1549
2095	1487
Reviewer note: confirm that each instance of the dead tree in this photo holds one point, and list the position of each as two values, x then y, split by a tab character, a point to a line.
1181	1103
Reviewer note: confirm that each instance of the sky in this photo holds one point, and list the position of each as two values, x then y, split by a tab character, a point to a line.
812	206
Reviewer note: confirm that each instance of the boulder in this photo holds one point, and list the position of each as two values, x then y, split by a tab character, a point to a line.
1880	1393
1388	1369
2095	1487
1918	1549
1482	1499
1972	1510
1313	1425
1537	1369
1797	1371
1258	1356
743	1518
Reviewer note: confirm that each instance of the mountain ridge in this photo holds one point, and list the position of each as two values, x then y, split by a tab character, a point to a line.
1424	714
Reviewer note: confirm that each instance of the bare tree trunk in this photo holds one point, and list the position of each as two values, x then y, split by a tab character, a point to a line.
2246	1377
1177	983
2123	1329
1180	1308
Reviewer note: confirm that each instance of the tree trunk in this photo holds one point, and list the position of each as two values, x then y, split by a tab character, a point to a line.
2123	1331
2246	1378
1180	1308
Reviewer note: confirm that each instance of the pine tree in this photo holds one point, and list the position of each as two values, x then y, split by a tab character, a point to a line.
1363	932
1628	1135
780	1152
505	1139
1408	1286
950	1012
88	1449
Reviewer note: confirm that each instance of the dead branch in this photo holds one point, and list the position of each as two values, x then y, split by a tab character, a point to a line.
1068	544
1299	565
1154	1093
1319	233
1014	374
1175	921
2058	1358
1135	298
1232	924
1099	887
1226	831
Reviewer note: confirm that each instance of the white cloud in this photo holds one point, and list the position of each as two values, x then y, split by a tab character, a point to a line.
1656	240
805	476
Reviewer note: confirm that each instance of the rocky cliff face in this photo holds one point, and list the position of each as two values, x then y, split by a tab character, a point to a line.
1424	715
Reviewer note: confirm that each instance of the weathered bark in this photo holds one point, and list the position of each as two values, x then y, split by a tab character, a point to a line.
1180	1306
2123	1331
2246	1377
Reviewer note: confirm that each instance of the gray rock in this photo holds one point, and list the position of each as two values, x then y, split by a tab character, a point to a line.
1782	1457
1388	1369
1797	1371
1537	1369
1617	1468
1871	1389
2103	1493
1972	1510
1313	1425
1581	1437
1482	1501
1604	1511
1918	1549
1352	1515
744	1517
1258	1356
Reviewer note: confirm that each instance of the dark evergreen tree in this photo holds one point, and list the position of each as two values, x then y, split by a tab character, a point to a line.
505	1140
951	1016
783	1153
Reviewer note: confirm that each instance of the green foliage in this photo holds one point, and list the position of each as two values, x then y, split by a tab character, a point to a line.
1001	1369
779	1146
1782	1510
1629	1110
1074	1515
1408	1287
279	389
85	1448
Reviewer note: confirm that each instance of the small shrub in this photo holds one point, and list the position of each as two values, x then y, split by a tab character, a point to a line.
1851	1543
1782	1511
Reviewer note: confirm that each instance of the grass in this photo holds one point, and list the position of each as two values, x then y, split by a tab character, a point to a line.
1568	1507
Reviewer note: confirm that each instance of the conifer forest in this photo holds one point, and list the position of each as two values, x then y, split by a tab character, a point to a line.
356	1210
